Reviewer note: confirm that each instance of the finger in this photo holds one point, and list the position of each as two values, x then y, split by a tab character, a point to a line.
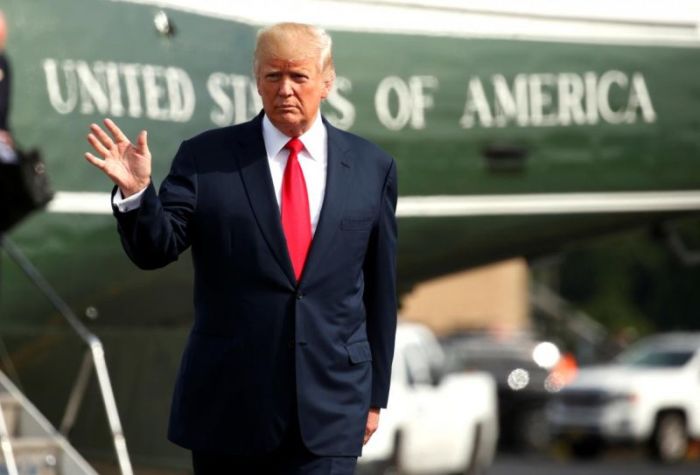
142	142
97	145
95	161
368	433
102	136
115	131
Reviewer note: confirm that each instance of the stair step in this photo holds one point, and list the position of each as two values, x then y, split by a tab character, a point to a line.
11	409
34	456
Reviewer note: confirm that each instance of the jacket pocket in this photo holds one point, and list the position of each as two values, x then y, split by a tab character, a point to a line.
359	352
357	223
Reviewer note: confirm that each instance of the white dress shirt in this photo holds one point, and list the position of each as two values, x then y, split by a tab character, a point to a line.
313	160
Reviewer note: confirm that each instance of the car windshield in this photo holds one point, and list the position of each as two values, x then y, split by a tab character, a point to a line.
656	358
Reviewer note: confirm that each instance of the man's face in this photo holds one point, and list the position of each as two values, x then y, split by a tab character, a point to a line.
3	31
292	87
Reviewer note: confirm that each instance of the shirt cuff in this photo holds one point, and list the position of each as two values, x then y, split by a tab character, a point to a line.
124	205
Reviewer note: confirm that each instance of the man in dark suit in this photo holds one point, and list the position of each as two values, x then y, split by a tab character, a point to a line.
6	143
292	228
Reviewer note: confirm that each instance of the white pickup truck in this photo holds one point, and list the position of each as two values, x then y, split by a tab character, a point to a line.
434	423
650	395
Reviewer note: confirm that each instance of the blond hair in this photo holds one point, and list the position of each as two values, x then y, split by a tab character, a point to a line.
312	36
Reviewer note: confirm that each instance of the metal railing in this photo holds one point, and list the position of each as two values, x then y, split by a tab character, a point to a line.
94	357
6	446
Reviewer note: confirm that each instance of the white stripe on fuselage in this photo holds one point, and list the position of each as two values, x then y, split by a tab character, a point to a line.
470	205
595	21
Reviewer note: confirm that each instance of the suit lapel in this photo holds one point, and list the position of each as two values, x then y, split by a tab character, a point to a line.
255	172
338	178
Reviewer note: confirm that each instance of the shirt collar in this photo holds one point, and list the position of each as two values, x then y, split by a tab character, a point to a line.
314	139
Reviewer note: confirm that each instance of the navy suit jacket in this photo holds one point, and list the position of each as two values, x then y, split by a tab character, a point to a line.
263	347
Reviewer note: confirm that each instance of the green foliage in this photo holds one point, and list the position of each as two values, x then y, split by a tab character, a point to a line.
634	280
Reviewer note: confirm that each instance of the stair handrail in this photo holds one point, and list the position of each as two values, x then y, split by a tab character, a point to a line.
93	342
6	446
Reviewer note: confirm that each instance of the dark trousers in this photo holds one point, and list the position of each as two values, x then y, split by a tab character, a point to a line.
290	458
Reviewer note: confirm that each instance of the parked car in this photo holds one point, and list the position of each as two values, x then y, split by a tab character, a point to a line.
650	395
435	422
524	383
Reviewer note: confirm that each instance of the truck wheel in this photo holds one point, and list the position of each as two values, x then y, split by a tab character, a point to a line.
531	431
586	448
474	462
669	443
393	465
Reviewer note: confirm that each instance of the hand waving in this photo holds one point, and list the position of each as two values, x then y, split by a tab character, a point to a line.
127	165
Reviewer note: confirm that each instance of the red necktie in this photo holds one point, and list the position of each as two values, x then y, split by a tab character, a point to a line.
296	220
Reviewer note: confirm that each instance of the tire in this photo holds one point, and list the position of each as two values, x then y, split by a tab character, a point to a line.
473	466
587	448
669	443
393	465
532	431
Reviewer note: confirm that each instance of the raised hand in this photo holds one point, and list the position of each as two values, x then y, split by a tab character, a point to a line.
127	165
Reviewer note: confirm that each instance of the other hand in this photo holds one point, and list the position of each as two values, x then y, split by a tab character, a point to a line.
6	138
127	165
372	423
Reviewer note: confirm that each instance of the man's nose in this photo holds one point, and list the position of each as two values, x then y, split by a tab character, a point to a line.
285	89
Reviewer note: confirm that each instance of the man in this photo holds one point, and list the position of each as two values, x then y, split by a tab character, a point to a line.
7	153
293	235
9	171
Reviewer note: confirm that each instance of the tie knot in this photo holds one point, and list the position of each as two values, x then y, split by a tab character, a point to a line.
294	145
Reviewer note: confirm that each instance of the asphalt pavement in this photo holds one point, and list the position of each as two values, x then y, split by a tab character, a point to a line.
626	464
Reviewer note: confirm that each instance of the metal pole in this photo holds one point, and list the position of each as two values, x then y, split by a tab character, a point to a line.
76	396
98	357
6	446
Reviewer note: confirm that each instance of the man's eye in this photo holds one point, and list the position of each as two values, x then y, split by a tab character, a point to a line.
273	77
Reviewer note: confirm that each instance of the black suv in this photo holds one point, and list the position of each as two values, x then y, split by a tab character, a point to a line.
523	385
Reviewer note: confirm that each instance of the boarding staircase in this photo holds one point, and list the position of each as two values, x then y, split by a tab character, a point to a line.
29	444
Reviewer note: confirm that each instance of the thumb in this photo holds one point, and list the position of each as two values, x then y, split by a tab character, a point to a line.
142	142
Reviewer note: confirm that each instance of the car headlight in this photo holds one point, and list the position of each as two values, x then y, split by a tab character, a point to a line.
621	397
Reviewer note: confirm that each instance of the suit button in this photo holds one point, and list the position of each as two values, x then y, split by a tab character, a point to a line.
300	295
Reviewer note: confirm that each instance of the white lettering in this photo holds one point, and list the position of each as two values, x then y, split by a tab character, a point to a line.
235	96
591	80
131	73
240	86
563	99
116	106
476	105
343	115
93	88
640	99
571	93
180	94
541	110
154	91
382	97
224	114
604	84
509	106
420	100
53	87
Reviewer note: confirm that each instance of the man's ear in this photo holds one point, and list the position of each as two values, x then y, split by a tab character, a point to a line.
328	80
257	83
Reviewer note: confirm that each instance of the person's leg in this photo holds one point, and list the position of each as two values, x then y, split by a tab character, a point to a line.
316	465
207	463
295	459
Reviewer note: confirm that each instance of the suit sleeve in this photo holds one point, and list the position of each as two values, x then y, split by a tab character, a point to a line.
159	230
5	92
380	290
